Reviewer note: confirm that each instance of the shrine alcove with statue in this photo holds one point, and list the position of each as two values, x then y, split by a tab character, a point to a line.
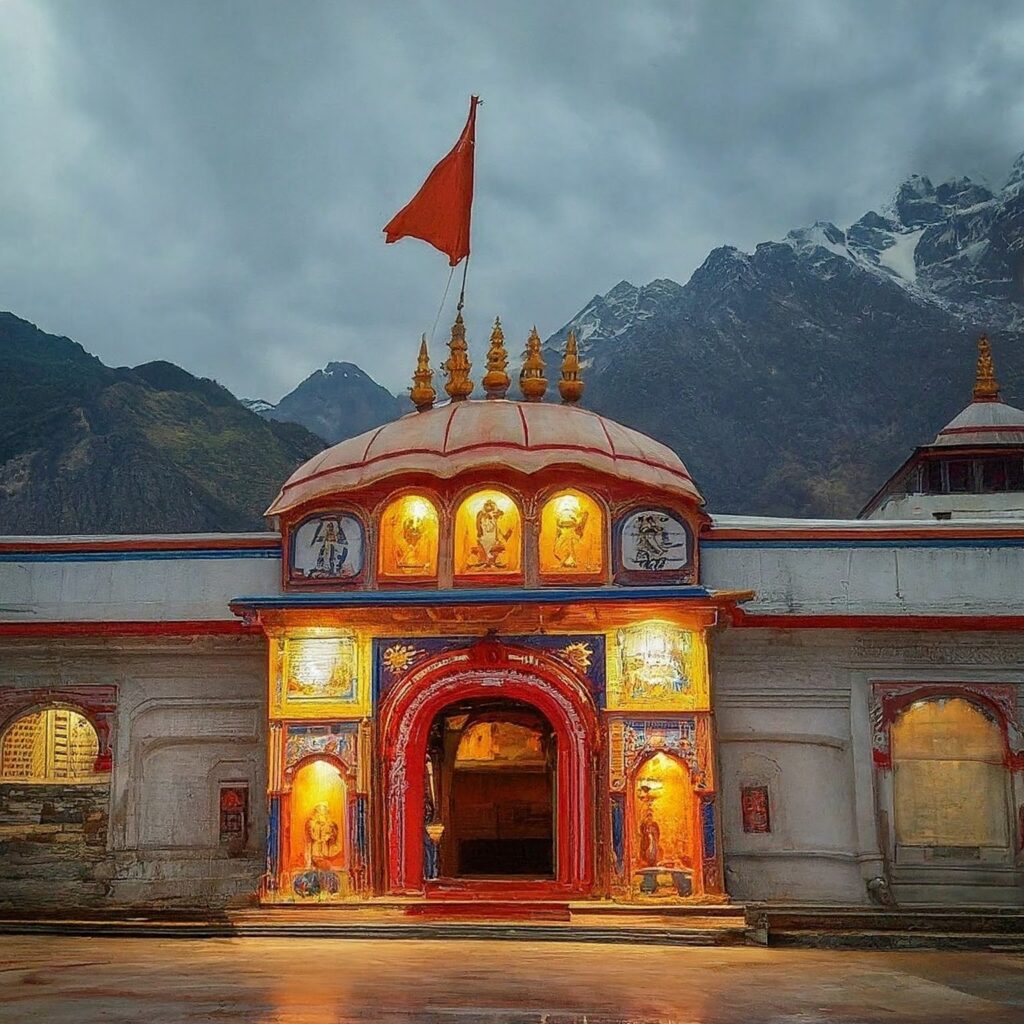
488	665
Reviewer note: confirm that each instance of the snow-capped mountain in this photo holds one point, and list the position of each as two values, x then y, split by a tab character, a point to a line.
257	405
793	379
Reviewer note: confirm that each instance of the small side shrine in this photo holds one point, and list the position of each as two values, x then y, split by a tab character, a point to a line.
488	664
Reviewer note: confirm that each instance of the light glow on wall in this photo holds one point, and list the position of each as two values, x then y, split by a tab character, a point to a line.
318	818
409	534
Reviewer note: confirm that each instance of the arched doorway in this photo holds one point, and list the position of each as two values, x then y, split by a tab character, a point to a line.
533	701
491	768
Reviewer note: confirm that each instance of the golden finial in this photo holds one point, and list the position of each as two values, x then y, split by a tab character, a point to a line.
457	365
532	382
570	387
422	391
496	380
986	387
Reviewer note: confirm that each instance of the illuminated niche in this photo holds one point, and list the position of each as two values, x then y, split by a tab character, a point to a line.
54	745
663	815
409	538
317	848
571	535
488	536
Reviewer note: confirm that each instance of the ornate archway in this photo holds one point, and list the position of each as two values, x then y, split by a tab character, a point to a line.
487	670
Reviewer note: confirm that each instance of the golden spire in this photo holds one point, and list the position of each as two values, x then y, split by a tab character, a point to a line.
457	365
496	380
422	391
531	378
986	387
570	387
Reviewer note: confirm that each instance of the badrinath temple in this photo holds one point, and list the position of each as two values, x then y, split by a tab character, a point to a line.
500	650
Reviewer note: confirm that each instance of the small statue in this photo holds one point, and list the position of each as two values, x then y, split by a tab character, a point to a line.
570	525
650	840
321	838
490	538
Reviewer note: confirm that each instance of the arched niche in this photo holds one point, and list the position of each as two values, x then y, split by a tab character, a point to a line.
488	536
51	745
409	538
572	536
950	779
664	827
316	852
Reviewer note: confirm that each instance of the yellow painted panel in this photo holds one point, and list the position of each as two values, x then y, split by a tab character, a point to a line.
656	666
408	543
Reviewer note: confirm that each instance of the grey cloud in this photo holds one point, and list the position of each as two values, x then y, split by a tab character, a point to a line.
207	181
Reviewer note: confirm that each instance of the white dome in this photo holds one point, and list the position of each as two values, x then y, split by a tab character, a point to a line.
460	436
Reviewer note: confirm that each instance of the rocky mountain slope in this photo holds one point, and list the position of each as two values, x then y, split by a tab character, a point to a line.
85	448
336	402
793	379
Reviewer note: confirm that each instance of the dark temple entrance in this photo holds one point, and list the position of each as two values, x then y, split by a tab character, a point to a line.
492	764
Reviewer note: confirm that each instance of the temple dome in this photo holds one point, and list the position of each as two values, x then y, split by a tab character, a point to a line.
984	423
493	433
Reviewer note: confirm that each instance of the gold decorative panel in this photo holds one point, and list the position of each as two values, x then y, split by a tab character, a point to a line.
488	536
571	535
319	674
656	666
408	543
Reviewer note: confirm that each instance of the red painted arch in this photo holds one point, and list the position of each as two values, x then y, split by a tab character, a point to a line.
489	669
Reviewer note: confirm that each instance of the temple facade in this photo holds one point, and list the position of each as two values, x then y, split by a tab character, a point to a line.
498	649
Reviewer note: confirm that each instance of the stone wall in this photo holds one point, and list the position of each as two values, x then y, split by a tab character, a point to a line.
53	846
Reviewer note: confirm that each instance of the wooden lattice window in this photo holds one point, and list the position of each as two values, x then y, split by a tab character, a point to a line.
53	745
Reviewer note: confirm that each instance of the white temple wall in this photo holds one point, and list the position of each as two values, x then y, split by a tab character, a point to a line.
190	716
160	585
793	712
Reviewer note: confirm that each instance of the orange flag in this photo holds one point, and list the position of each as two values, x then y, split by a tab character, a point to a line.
439	213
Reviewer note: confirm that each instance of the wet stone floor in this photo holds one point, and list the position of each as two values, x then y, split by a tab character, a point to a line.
55	980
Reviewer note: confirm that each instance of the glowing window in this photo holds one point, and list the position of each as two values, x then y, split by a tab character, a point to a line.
488	536
571	535
55	745
950	780
408	538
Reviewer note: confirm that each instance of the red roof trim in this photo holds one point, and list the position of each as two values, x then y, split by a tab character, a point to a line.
995	623
885	533
213	627
271	541
494	445
987	428
526	426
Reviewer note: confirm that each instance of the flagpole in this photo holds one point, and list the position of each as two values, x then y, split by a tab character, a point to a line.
462	290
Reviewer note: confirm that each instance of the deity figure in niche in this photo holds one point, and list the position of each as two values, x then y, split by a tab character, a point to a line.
654	543
570	526
650	830
322	838
332	553
490	537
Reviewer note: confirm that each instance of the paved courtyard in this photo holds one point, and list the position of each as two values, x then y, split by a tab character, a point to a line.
331	981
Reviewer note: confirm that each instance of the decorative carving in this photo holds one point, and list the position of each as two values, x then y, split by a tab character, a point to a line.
986	387
496	382
570	387
334	739
532	381
422	393
457	366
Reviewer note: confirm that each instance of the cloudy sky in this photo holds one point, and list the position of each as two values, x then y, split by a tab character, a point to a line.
207	181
